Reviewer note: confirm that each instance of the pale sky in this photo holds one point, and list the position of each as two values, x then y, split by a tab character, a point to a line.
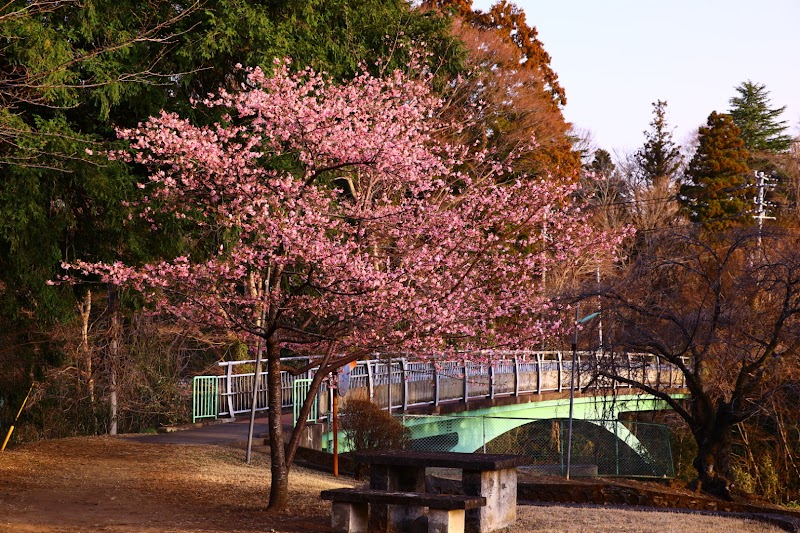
615	57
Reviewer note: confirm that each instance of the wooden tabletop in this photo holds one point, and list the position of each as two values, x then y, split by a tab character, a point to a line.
464	461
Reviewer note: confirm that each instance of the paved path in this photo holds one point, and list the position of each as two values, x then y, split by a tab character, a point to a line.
220	433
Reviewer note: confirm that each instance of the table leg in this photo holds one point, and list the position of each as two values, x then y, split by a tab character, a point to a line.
395	479
349	517
441	521
499	487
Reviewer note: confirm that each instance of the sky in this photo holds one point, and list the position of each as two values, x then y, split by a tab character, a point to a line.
615	58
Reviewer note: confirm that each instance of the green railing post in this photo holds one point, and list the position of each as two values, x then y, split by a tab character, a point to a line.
300	389
483	429
205	397
616	445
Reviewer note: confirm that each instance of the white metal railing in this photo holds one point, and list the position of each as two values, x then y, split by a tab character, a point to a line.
415	383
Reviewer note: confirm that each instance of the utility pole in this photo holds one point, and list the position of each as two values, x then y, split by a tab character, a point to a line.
599	310
762	183
578	322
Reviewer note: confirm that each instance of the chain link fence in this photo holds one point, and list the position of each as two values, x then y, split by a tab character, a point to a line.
599	447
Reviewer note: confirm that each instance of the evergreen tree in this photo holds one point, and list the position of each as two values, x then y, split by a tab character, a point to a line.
659	160
602	165
715	194
606	191
760	128
339	37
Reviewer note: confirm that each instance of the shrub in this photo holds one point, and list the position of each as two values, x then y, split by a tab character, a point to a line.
367	427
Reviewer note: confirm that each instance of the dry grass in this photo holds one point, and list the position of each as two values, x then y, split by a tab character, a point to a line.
559	519
116	485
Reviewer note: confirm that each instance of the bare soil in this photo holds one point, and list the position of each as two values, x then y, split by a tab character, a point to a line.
117	485
120	485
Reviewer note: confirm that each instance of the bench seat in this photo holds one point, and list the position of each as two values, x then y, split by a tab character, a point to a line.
351	510
436	501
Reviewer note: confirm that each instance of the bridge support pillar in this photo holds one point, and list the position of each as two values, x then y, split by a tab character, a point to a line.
466	382
436	388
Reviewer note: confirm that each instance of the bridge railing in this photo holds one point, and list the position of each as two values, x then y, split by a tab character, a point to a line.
404	382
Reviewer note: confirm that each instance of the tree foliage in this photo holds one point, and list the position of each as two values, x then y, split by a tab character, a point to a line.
715	193
607	192
65	67
509	22
659	160
652	173
758	123
511	90
74	71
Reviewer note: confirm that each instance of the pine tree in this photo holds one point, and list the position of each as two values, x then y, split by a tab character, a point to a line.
659	160
760	128
715	196
602	164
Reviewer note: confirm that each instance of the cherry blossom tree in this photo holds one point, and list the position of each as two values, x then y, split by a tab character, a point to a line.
328	219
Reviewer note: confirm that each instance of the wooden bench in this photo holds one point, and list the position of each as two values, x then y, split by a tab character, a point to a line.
363	510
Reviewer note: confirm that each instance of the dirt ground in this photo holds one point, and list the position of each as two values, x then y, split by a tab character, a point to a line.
119	485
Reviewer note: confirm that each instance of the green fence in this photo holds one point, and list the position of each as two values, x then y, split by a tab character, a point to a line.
599	447
205	397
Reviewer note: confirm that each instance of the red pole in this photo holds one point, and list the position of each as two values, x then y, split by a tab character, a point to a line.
335	432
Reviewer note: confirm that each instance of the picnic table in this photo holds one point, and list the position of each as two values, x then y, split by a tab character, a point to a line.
484	477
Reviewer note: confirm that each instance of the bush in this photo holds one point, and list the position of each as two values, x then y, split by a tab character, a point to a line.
367	427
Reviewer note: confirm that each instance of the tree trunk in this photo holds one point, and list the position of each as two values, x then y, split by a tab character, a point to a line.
279	484
308	403
113	358
85	310
713	461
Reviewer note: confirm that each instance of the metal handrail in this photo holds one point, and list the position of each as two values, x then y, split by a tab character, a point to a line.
419	382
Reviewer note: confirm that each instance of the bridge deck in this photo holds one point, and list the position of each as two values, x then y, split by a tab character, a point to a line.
404	384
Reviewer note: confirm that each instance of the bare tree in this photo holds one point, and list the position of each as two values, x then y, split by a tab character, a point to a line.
726	313
653	201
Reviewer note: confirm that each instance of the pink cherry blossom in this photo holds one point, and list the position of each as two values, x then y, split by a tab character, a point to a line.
414	255
347	227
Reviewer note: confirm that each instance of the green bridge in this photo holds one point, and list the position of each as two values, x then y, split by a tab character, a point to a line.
521	400
605	443
474	433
